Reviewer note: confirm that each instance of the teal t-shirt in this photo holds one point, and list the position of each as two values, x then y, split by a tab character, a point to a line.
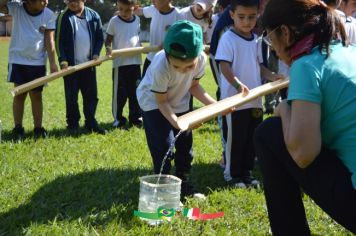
330	82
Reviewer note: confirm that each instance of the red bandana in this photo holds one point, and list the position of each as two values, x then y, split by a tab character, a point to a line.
302	47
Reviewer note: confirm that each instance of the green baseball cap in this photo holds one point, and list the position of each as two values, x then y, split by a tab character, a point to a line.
184	40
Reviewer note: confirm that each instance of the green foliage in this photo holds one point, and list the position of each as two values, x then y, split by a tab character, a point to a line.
88	185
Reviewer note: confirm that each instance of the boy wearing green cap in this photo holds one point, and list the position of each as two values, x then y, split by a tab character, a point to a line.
164	94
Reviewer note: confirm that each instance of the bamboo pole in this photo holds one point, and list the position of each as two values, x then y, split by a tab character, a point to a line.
126	52
197	117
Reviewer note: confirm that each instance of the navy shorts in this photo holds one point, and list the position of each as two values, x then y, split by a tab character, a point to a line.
21	74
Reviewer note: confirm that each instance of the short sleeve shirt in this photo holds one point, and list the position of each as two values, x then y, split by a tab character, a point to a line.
331	83
161	78
160	22
27	40
125	35
245	56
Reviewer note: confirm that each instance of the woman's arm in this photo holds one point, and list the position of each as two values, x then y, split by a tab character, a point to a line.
301	130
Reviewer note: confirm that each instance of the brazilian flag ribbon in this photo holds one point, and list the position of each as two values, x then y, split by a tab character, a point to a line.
168	213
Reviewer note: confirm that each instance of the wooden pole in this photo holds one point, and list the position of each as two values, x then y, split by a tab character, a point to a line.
195	118
126	52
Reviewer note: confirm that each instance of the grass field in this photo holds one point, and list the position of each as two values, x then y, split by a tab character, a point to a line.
89	185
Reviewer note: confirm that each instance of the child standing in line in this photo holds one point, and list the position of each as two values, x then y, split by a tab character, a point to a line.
31	42
123	32
200	12
240	57
348	7
164	94
79	38
162	15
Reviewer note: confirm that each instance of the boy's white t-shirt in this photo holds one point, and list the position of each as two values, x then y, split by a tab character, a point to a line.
81	40
210	31
187	14
159	25
27	40
350	28
125	35
245	56
161	78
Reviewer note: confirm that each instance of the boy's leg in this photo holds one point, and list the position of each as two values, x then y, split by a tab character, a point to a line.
183	156
88	87
119	95
327	181
132	82
237	133
71	90
256	117
18	108
37	108
159	134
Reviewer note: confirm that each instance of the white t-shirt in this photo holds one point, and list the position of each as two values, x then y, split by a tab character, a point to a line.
161	78
350	28
81	40
27	39
125	35
159	25
187	14
209	32
245	56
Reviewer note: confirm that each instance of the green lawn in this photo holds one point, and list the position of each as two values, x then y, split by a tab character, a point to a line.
89	185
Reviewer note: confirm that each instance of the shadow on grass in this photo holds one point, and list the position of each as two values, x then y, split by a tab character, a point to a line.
91	196
59	133
96	198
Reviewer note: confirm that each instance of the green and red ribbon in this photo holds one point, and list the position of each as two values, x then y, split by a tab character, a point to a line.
168	213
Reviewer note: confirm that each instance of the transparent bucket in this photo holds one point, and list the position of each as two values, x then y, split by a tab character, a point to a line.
164	193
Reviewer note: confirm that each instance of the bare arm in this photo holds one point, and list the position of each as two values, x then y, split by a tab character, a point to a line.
108	43
166	109
231	78
198	91
49	45
301	130
269	75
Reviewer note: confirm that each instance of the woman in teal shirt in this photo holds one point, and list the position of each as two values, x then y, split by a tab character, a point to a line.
310	143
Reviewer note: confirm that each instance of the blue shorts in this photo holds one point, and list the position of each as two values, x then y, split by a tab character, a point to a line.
21	74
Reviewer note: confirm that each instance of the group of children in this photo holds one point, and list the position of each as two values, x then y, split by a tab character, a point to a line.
168	80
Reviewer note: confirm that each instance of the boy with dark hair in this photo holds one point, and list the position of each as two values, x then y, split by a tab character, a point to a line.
33	30
164	94
79	38
123	32
240	59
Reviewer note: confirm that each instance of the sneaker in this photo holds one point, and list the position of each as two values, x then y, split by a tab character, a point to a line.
237	183
97	129
39	132
251	181
18	133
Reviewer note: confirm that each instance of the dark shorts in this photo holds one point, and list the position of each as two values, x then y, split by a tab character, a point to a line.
21	74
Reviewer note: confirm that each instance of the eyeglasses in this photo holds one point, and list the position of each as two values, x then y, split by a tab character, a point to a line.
267	39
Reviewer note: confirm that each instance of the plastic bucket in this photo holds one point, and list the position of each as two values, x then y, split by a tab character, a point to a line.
158	191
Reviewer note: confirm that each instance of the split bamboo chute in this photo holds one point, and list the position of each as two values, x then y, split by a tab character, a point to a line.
126	52
195	118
